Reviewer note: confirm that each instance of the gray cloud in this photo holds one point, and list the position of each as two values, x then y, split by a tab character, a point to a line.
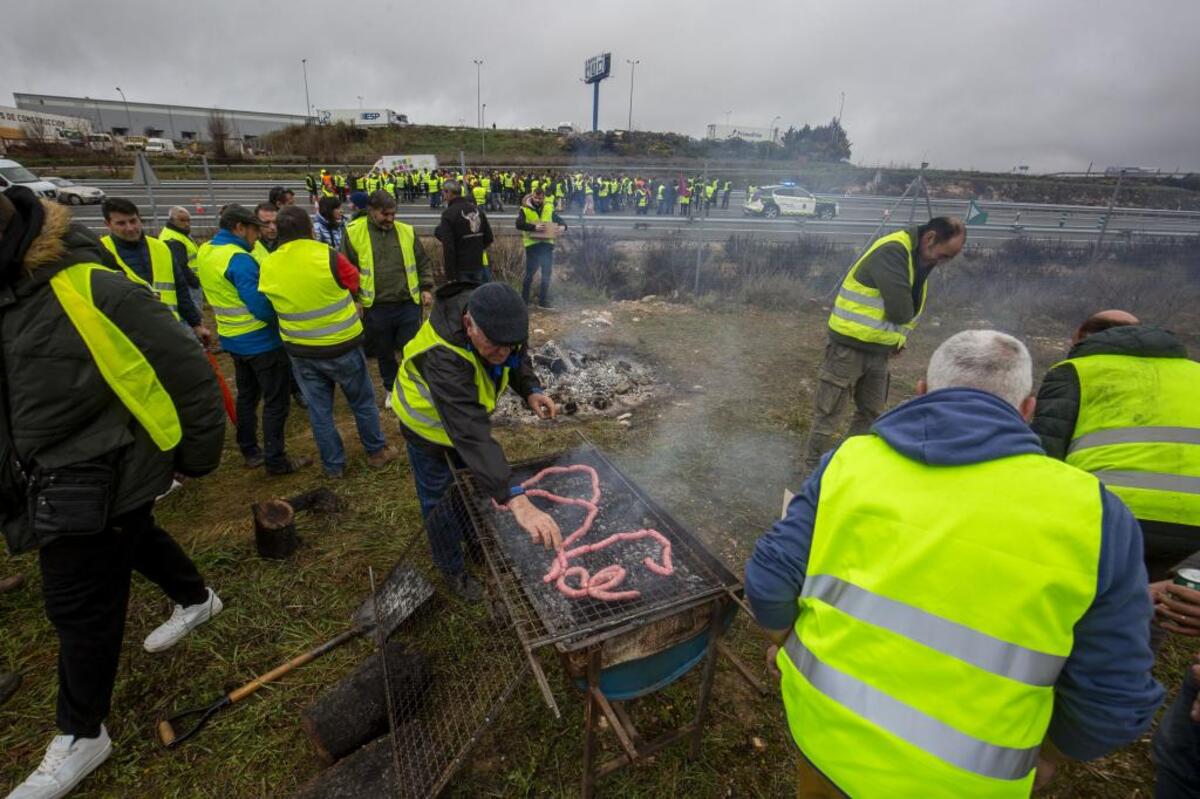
1055	85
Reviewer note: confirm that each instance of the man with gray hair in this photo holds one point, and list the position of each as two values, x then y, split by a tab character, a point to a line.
952	612
465	234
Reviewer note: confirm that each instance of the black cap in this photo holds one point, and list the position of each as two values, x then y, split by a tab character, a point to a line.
500	313
234	214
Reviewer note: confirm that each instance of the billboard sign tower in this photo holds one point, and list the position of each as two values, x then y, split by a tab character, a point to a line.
596	69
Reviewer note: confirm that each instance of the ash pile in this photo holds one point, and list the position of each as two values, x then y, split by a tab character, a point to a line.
594	383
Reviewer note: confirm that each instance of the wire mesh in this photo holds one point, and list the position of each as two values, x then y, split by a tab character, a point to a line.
540	611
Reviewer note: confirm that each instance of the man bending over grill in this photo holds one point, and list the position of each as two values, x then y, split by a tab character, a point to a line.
454	369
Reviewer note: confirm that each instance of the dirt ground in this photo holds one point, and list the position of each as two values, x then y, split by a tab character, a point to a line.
717	449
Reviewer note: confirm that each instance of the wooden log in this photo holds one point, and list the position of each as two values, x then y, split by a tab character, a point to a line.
369	772
320	500
275	529
353	712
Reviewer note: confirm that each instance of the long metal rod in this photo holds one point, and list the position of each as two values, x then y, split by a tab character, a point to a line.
1112	203
381	651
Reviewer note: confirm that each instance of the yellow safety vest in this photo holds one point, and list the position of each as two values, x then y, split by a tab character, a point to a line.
232	315
1138	430
533	218
162	271
479	194
413	401
260	253
167	234
858	310
930	635
360	239
121	364
313	310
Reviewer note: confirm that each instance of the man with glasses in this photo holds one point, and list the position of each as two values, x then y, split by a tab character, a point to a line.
454	370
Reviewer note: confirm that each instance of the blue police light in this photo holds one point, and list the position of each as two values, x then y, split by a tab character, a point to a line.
787	183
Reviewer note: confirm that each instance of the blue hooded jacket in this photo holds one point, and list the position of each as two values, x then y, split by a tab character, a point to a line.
1105	696
242	272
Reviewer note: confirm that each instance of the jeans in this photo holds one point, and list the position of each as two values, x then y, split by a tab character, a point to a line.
265	377
1176	747
317	378
85	586
538	256
389	326
443	521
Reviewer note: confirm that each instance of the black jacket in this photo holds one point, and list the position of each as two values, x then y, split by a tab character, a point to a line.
63	411
451	381
465	234
1058	411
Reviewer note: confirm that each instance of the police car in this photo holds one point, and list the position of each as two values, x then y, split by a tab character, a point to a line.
787	199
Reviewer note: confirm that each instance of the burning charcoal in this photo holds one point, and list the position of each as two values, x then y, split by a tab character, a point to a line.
624	388
600	402
543	361
558	366
624	366
570	407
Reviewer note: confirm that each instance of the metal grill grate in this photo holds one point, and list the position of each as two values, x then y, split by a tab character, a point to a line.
540	613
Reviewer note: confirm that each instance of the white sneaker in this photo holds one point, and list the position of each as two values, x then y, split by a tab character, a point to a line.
387	402
68	760
182	622
175	486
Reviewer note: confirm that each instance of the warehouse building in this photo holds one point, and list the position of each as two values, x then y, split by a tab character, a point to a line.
180	123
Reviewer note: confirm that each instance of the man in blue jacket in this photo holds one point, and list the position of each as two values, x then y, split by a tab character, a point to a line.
249	332
953	611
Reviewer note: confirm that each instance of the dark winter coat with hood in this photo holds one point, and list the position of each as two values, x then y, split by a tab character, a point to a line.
61	409
1058	412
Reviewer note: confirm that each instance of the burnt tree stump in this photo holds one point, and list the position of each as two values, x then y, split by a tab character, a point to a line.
274	529
369	772
353	712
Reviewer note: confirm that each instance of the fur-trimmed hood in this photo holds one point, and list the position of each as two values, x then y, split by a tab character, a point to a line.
61	243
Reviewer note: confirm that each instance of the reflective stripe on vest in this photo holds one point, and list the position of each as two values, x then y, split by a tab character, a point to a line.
533	217
313	310
121	364
412	400
360	240
233	317
170	234
1138	430
970	629
858	310
162	271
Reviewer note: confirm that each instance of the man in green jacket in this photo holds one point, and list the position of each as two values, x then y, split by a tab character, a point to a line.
879	302
103	397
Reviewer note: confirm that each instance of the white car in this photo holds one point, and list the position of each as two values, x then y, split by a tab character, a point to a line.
13	174
786	199
75	194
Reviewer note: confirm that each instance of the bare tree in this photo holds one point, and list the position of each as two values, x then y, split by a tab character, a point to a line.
218	133
38	129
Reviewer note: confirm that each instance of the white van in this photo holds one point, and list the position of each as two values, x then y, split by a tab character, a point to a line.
159	146
13	174
100	141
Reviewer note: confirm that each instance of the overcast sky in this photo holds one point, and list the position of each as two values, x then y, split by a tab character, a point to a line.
1054	84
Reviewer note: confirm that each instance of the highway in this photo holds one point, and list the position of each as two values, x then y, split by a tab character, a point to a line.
858	216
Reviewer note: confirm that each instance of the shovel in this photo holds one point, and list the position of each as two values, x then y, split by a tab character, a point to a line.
384	611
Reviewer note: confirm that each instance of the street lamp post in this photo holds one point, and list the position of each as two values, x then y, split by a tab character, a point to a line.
128	116
99	116
483	130
359	101
632	68
771	127
478	112
307	104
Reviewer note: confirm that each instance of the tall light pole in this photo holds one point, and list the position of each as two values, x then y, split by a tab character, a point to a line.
99	116
632	68
771	127
483	130
359	100
128	115
478	113
307	104
728	114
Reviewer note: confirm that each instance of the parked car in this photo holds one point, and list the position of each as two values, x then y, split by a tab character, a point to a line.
13	174
788	199
74	194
